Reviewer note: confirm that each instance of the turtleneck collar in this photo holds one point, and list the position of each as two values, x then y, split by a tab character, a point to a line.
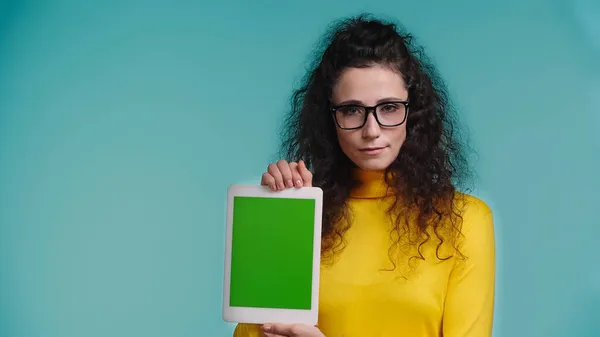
372	185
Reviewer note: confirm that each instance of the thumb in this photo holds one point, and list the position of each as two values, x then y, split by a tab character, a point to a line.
305	174
277	329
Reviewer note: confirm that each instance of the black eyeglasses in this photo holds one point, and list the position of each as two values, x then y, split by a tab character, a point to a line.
354	116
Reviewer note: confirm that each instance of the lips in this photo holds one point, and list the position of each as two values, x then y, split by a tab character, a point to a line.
372	151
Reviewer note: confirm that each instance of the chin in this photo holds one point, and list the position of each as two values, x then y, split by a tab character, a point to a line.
375	164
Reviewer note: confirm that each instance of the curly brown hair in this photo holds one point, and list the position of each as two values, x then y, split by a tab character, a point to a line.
431	165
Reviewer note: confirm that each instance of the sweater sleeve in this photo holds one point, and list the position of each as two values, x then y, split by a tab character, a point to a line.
469	304
247	330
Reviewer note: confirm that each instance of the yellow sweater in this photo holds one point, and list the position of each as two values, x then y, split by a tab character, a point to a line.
431	298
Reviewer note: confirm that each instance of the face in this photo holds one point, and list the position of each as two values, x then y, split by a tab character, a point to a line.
371	147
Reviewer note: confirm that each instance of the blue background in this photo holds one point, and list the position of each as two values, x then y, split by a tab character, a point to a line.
123	122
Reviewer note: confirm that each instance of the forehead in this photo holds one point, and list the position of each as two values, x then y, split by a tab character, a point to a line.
368	85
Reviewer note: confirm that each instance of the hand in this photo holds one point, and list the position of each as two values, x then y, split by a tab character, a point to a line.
291	330
282	175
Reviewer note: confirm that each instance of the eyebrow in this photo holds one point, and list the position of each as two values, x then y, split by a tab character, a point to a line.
386	99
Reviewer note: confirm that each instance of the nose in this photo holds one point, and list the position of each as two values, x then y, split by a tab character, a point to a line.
371	129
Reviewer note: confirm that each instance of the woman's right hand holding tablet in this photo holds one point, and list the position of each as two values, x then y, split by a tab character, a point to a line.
282	175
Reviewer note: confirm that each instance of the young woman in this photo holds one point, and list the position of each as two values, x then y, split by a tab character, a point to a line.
404	252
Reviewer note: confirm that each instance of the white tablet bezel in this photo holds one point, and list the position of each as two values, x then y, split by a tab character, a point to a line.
266	315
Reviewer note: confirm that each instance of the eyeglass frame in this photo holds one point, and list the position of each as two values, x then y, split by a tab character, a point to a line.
368	109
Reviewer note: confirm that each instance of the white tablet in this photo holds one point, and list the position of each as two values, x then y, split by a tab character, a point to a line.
272	255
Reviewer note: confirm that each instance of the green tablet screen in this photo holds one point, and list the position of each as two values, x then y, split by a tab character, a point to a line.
272	253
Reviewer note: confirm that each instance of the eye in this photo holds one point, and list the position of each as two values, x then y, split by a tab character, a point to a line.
390	107
350	110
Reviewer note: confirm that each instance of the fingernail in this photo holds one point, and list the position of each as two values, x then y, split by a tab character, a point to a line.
266	327
289	183
298	183
281	186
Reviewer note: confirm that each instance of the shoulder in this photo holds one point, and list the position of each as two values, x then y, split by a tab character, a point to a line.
247	330
476	216
471	207
470	204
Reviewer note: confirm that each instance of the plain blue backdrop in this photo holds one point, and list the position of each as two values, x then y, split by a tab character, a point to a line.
123	122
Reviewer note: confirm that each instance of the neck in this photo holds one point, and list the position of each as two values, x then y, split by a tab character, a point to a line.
372	184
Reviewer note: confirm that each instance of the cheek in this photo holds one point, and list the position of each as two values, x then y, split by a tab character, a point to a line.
398	137
342	137
345	139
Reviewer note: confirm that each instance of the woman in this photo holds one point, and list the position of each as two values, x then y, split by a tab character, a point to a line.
404	252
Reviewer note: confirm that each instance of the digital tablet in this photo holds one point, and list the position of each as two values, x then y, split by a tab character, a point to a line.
272	255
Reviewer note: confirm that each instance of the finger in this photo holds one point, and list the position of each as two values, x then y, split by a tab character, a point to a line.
305	174
268	180
274	171
296	175
278	329
286	172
